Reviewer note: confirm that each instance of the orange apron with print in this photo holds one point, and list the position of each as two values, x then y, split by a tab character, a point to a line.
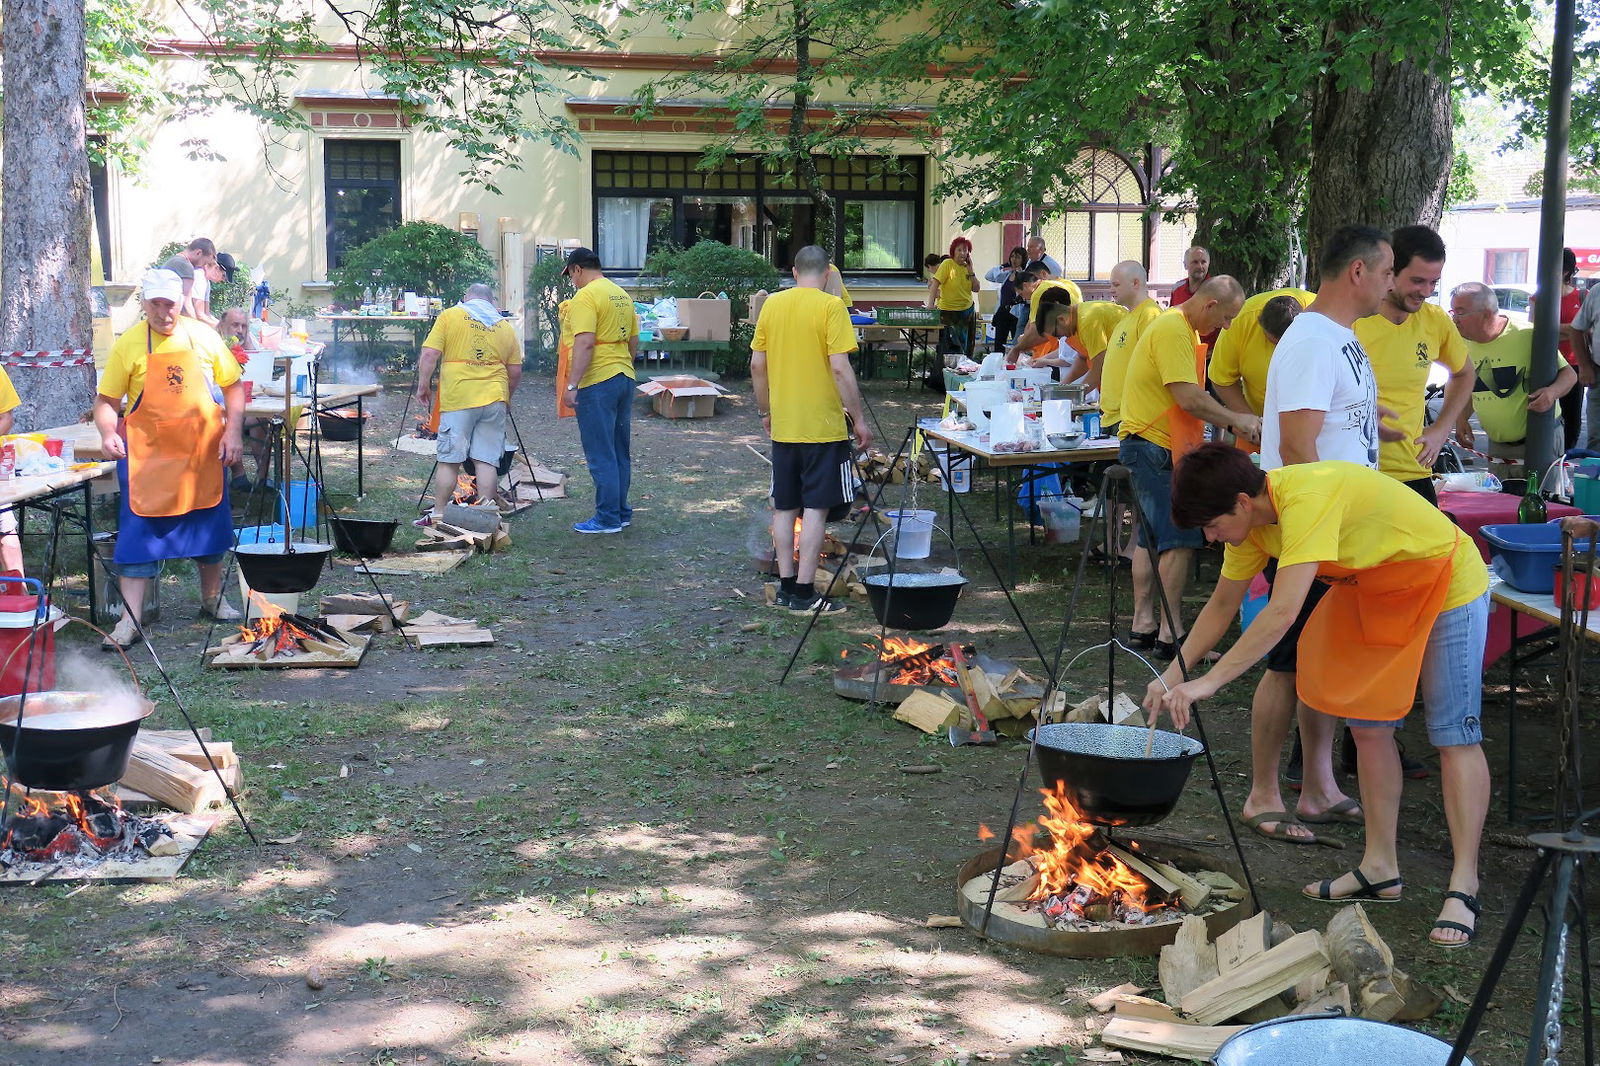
563	366
1361	650
173	434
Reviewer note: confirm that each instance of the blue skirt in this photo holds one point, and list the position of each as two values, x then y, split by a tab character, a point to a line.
208	531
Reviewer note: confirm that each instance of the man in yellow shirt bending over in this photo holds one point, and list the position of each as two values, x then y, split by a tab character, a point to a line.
804	386
475	351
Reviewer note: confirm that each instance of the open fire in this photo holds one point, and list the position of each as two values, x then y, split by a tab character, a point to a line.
466	490
913	662
1083	880
77	828
280	633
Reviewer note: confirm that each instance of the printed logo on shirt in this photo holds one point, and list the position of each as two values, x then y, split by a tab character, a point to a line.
1424	357
1362	416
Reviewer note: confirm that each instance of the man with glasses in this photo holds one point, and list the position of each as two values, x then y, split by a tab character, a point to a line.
1503	356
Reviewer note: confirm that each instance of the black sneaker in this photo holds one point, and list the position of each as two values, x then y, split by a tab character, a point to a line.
806	604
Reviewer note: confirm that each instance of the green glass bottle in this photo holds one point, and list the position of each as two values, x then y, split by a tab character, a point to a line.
1531	510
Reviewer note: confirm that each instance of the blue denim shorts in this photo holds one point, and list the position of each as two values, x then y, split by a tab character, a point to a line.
153	569
1151	465
1452	677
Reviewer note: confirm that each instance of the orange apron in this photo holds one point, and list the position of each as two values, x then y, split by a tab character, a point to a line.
1185	430
173	434
1361	650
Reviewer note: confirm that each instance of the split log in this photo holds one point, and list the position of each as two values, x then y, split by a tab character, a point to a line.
1176	1040
1106	1000
1242	942
1147	870
1132	1006
172	781
1335	997
1189	962
1259	979
1422	1001
187	749
1195	893
483	520
928	711
1364	962
1019	892
370	604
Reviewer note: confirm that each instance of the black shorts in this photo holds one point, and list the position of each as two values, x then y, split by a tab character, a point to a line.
1423	486
1284	657
812	475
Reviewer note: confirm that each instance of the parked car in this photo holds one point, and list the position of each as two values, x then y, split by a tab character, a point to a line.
1516	301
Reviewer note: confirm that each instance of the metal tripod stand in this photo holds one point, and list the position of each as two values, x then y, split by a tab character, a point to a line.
1560	857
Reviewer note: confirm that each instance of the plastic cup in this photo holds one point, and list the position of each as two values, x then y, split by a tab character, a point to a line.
52	447
249	390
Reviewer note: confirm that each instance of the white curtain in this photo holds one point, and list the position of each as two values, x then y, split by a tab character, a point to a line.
890	226
624	231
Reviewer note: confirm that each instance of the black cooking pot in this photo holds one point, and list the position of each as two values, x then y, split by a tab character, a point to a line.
343	424
1104	771
915	601
366	537
70	741
270	568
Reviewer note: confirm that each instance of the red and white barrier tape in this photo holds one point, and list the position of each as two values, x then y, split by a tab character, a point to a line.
62	357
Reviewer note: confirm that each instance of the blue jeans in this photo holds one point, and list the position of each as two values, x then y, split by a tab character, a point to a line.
605	411
1151	466
1452	676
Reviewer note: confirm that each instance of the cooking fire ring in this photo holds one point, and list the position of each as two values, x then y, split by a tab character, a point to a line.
1111	941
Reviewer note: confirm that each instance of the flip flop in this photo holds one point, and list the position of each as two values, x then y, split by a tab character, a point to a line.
1367	893
1472	931
1345	812
1280	820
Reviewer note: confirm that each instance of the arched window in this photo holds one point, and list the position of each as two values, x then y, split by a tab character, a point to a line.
1104	219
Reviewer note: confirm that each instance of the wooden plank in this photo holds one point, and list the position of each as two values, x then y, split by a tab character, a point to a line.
1174	1040
1257	980
447	636
417	564
1245	940
1130	1006
1147	870
1106	1000
1189	962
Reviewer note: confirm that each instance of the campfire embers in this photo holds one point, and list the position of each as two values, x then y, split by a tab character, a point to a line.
278	633
76	828
912	662
466	490
1084	882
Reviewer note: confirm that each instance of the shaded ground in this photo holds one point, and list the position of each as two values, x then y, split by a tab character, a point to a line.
611	838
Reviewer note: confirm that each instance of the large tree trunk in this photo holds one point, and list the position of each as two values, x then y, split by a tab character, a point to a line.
45	206
823	210
1380	153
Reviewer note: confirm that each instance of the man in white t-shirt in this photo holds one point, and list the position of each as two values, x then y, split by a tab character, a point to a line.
1321	403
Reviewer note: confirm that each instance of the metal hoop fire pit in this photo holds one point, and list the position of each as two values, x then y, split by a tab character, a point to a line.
1111	941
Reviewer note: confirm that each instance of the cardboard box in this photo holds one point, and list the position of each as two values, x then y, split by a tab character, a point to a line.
708	320
756	300
682	397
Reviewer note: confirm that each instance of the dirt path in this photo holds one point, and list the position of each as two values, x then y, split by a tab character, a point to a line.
611	838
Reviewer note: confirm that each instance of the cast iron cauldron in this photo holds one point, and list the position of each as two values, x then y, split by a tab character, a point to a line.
1104	771
341	425
70	741
1320	1040
280	568
366	537
918	601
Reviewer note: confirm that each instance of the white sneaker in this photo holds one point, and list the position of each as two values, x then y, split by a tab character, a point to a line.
222	610
125	635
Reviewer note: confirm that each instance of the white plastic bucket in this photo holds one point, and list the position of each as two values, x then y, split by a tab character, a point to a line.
913	533
960	478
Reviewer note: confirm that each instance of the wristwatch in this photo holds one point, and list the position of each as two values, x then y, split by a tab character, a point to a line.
572	388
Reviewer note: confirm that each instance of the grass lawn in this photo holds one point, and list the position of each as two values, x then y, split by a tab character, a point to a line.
613	838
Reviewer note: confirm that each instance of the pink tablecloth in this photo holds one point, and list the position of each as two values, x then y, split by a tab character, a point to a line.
1474	510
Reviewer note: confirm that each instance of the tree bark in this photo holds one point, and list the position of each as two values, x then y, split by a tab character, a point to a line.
1380	153
45	206
824	223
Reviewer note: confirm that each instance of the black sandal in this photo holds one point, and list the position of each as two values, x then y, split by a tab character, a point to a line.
1477	911
1143	640
1367	893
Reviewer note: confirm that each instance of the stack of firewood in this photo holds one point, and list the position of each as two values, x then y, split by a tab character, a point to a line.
1009	711
880	468
1257	971
169	767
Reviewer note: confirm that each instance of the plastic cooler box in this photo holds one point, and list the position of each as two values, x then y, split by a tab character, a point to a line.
1525	557
19	609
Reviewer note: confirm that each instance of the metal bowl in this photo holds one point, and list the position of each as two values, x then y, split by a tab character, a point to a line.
1064	441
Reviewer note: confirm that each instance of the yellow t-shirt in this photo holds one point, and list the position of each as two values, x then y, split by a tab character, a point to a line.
602	308
9	400
472	371
1163	355
1243	351
124	373
1047	286
1096	321
1401	357
1355	518
799	329
1500	391
1123	337
955	287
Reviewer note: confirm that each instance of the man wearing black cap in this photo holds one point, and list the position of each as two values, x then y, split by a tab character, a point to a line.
187	264
218	271
605	342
